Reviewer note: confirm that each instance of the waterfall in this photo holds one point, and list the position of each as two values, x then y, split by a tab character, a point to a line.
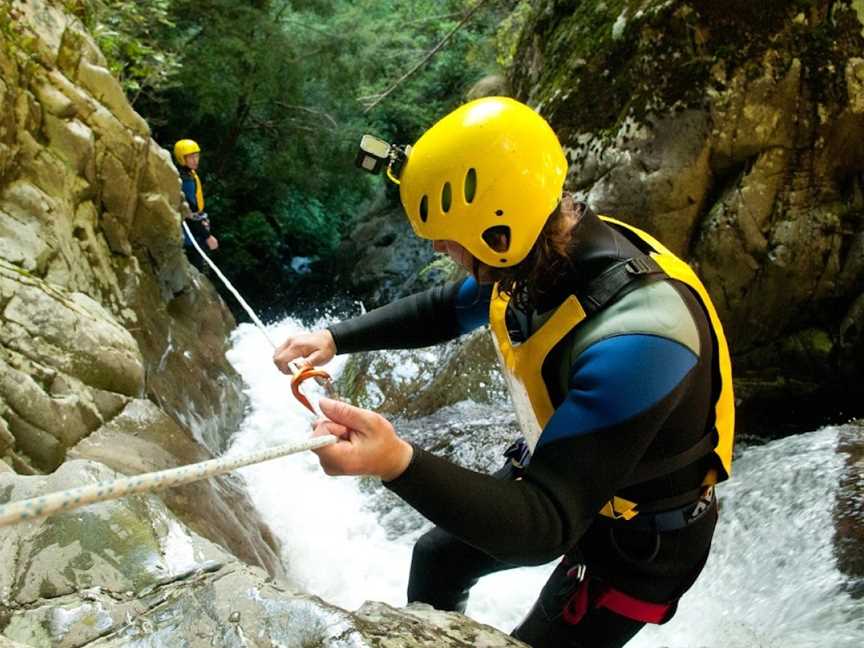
771	579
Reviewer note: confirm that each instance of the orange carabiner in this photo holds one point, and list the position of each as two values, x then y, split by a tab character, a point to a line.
304	373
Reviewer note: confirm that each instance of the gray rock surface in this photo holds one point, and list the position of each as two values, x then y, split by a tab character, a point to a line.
731	132
413	383
107	335
382	256
849	508
128	573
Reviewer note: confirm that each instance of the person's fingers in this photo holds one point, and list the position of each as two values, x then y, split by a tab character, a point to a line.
335	460
281	362
316	348
277	354
317	357
348	415
323	427
289	350
339	458
368	444
279	349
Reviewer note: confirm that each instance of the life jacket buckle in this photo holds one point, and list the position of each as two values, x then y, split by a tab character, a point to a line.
640	265
619	508
577	572
706	499
519	454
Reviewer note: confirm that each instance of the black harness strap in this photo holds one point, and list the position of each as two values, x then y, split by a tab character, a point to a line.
611	285
647	470
618	280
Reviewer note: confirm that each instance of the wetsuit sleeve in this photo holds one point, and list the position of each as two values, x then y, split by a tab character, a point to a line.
189	194
620	392
430	317
471	305
198	229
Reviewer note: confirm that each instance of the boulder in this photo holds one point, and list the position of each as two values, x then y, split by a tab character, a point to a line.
729	132
419	382
102	85
126	571
71	333
382	254
105	329
849	508
141	439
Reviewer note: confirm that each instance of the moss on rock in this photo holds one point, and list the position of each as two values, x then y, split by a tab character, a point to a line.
729	130
605	61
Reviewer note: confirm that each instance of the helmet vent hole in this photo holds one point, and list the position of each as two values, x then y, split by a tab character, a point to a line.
499	212
424	208
498	238
446	197
470	185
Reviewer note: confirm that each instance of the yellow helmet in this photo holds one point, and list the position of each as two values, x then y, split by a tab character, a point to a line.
183	148
487	176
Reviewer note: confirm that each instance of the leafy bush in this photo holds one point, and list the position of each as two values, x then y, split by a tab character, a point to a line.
133	35
277	92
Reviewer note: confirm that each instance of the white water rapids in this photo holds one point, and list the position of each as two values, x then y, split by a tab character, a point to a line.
771	580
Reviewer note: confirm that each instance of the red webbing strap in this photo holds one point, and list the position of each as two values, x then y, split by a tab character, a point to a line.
620	603
603	596
577	605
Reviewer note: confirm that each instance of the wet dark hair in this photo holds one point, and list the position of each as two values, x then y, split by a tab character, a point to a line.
547	266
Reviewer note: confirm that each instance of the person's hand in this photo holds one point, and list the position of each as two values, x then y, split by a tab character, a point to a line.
212	242
368	444
317	347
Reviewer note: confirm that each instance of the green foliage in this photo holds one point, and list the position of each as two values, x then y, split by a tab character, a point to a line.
276	93
509	31
305	220
249	242
15	39
133	35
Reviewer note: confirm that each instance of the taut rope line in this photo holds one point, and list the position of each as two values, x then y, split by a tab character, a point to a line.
299	372
45	505
228	285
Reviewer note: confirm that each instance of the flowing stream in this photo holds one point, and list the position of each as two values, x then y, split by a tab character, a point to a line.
771	580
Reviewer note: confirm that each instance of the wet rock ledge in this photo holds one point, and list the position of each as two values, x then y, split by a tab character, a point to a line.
109	341
129	573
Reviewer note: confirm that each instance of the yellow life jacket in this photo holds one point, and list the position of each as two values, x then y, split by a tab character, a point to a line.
199	192
522	364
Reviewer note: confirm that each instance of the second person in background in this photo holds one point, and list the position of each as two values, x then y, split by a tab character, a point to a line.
187	154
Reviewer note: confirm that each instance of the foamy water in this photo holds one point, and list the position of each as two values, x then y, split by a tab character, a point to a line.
771	580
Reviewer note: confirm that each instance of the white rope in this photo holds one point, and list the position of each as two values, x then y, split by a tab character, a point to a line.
45	505
292	366
228	285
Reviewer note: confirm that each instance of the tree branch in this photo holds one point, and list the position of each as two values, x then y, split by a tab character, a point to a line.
420	21
289	21
426	58
312	111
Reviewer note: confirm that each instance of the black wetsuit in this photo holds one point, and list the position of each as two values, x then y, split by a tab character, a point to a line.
622	399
